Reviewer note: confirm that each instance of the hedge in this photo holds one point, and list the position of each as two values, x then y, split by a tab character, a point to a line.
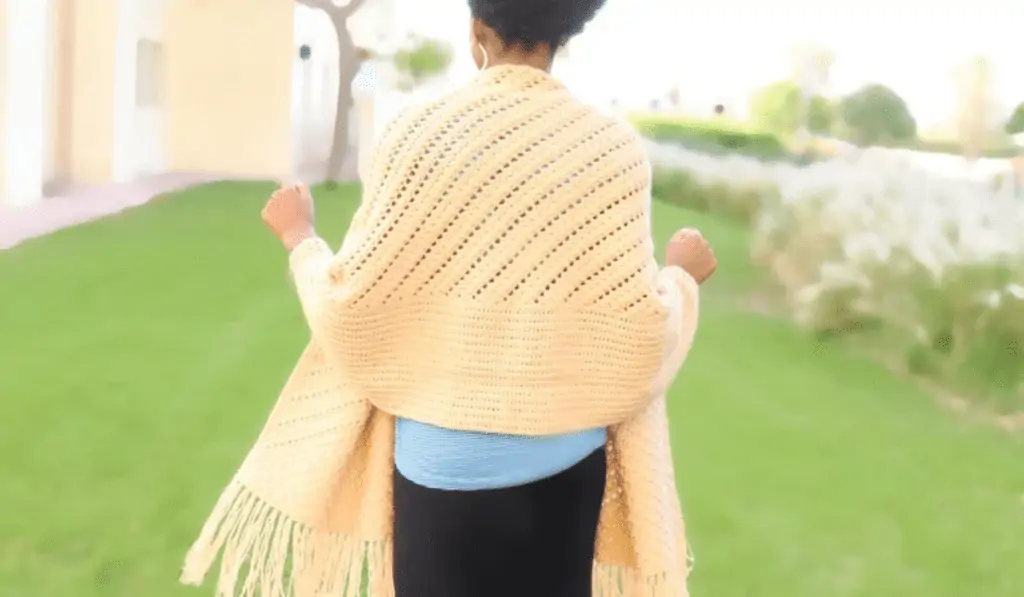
719	138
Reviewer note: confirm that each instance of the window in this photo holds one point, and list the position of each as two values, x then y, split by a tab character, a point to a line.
149	74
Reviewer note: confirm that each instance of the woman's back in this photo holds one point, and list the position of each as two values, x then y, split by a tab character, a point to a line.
504	223
450	459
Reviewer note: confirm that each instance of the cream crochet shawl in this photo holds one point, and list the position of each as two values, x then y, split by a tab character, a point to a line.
498	276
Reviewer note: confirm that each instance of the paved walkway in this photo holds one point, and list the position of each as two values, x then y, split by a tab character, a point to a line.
18	224
78	206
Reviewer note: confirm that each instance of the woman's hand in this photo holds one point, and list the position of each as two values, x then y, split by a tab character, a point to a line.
689	250
289	215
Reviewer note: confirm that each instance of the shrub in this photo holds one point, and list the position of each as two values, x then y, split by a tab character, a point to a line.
876	114
712	137
952	147
867	244
679	188
425	58
1015	124
780	108
821	115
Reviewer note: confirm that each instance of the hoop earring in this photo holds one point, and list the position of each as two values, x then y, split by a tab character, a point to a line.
483	51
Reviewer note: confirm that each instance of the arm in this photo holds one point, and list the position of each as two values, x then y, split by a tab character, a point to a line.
687	255
316	269
680	295
310	263
678	289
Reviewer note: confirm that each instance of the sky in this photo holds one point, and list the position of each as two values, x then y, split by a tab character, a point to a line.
722	50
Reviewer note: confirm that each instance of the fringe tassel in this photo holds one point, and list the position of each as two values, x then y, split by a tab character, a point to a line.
616	581
279	557
266	554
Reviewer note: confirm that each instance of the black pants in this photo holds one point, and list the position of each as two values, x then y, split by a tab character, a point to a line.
533	540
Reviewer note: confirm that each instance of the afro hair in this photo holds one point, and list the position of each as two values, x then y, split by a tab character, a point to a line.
531	23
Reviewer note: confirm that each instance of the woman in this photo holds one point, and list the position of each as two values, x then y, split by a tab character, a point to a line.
481	409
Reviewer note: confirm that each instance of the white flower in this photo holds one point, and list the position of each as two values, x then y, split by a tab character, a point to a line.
875	212
992	299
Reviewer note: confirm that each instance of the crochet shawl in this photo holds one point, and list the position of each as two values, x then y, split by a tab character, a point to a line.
498	276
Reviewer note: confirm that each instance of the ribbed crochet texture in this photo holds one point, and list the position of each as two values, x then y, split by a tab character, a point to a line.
498	276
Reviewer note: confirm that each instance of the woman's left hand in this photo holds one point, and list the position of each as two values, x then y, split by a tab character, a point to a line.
289	215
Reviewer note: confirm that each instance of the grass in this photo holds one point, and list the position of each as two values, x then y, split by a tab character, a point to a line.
141	353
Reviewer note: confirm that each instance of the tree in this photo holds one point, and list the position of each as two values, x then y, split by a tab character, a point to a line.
975	119
426	58
779	108
812	67
349	59
876	113
674	96
821	115
1015	124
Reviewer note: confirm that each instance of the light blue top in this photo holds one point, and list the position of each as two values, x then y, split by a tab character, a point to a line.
442	458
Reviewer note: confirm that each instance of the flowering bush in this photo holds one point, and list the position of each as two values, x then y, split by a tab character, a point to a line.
868	240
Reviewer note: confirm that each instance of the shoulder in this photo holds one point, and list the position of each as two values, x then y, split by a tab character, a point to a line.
622	140
624	129
582	133
404	117
621	136
553	125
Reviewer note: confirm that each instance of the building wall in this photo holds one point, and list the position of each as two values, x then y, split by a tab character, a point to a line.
93	40
4	25
314	87
140	81
23	82
229	86
58	165
225	81
56	68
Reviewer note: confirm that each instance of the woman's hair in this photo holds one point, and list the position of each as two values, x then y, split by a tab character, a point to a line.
531	23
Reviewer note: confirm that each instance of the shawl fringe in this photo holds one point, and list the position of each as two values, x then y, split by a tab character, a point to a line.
267	554
618	581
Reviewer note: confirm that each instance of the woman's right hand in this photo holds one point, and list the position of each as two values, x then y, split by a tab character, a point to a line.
289	215
689	250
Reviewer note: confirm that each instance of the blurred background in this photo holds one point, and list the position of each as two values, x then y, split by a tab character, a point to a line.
851	422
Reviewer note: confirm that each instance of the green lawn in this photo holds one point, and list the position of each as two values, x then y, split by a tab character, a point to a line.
140	355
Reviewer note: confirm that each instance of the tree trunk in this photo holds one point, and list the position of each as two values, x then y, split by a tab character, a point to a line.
348	67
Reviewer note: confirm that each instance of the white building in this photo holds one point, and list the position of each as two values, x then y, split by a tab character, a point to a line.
96	92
